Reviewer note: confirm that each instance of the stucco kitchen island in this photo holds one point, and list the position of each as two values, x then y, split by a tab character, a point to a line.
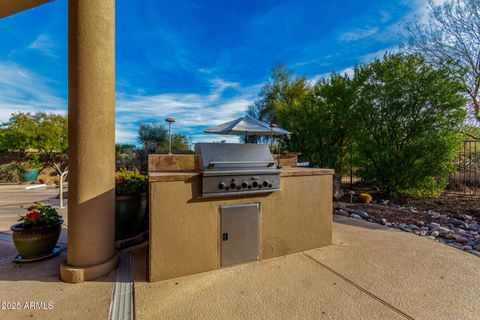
185	229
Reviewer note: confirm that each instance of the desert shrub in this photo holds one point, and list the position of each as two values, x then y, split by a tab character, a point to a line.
409	114
154	138
364	198
130	183
33	162
9	172
128	157
319	115
397	120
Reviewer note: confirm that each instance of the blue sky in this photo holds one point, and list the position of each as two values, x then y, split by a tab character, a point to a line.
201	62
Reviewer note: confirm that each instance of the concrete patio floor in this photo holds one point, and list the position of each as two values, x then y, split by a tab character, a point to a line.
369	272
39	282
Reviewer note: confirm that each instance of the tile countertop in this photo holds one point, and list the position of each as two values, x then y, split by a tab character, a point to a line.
166	176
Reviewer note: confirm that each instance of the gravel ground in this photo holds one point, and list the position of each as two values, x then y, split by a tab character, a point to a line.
454	221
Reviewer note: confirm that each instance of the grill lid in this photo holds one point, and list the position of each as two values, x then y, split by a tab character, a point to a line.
223	156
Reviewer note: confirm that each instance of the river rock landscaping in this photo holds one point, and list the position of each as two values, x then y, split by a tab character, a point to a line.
452	221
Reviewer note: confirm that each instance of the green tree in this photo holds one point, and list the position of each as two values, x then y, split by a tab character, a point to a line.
154	138
321	122
180	142
128	157
282	87
18	134
319	115
409	114
42	132
51	139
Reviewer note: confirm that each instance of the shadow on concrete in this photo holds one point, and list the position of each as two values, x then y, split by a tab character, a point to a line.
139	253
43	271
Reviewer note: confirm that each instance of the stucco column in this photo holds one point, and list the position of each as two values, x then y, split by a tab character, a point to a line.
91	139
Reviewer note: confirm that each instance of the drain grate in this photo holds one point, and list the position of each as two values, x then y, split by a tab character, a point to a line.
122	305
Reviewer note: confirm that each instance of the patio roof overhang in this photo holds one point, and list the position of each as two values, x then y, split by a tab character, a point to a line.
11	7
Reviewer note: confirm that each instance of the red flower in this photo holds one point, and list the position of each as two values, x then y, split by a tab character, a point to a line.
32	215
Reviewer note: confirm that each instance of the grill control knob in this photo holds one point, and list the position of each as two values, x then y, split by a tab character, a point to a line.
244	184
254	184
221	185
233	185
265	183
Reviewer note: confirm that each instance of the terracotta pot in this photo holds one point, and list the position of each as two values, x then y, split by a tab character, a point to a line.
37	241
131	218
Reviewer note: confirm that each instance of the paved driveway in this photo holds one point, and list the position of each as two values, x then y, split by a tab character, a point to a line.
14	196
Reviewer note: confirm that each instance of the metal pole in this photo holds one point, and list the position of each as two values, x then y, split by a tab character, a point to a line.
278	151
271	138
62	176
475	166
170	121
169	138
464	168
351	176
470	167
272	125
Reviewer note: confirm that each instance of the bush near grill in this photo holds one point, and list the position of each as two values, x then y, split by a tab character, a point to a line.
409	116
396	119
364	198
131	210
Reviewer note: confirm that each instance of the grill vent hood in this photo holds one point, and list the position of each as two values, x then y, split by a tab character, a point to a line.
221	156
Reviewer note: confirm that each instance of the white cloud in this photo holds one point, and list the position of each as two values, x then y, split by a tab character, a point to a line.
23	90
314	79
358	34
421	8
348	71
190	110
44	44
378	54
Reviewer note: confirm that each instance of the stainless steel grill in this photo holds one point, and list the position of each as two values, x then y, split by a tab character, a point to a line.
231	169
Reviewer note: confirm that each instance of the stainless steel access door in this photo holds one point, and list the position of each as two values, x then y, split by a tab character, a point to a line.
239	234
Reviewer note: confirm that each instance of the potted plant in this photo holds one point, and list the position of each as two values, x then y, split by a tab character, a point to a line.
131	222
28	170
38	232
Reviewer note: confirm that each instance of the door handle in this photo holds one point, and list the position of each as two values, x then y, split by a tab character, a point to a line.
225	236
